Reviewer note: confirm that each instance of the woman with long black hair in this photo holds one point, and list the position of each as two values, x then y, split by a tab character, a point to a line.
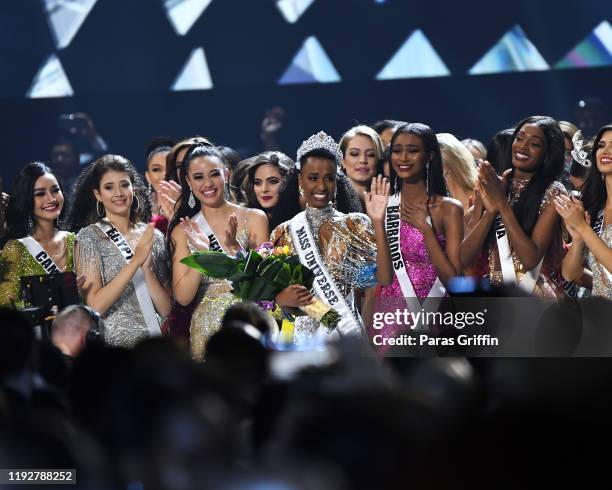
590	222
35	243
516	220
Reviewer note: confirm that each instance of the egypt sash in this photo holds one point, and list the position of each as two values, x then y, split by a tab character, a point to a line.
392	226
528	282
214	243
324	284
142	291
40	255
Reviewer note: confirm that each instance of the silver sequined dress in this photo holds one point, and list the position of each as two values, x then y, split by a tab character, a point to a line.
347	246
602	278
124	320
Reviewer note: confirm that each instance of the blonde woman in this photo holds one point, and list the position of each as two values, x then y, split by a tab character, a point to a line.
361	149
458	169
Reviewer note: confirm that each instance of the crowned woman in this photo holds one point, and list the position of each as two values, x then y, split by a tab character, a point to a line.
341	249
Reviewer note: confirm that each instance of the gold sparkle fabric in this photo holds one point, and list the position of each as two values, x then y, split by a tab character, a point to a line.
545	286
125	322
347	246
18	263
215	298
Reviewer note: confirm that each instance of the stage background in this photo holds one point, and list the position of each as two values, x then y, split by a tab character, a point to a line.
122	60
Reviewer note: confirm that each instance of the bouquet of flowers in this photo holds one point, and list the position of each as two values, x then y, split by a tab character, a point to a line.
259	275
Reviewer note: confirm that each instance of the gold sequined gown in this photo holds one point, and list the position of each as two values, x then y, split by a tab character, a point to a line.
17	262
347	246
215	297
548	284
124	320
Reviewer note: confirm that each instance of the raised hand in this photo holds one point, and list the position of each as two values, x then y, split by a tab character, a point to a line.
417	214
198	239
573	214
491	186
144	245
231	242
376	200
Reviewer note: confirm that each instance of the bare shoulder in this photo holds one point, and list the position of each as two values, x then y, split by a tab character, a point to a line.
450	205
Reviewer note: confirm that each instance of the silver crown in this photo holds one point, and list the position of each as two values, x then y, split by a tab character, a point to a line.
319	141
578	154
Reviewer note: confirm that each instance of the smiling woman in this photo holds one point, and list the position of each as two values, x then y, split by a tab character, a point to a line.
514	214
35	243
123	260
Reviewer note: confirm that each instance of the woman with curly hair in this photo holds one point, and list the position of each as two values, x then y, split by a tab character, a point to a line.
123	258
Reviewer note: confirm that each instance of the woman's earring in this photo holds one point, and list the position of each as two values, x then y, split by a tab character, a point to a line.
137	201
191	202
30	225
98	212
301	191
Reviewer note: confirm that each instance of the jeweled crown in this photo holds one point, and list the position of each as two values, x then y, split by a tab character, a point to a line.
319	141
578	154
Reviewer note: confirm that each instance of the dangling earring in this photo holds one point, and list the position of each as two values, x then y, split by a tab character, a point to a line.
191	202
98	212
30	225
333	203
301	191
137	201
427	178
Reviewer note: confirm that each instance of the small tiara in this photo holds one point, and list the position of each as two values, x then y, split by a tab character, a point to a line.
578	154
319	141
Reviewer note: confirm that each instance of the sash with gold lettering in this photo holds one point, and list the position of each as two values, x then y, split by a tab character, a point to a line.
140	286
437	292
324	284
40	255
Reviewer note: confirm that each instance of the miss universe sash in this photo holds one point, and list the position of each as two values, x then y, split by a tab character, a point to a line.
392	226
324	284
528	282
142	291
214	243
40	255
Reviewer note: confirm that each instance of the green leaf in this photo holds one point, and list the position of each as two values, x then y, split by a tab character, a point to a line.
252	262
213	264
292	260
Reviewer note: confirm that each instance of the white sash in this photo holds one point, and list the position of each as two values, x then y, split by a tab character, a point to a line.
528	282
324	284
214	243
437	292
142	291
40	255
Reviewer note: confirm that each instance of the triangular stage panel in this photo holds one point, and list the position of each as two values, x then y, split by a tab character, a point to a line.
66	17
183	14
310	65
416	58
595	50
50	81
195	74
513	52
292	10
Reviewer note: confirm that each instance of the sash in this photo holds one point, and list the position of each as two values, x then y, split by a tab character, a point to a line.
142	291
324	284
40	255
598	223
392	226
528	282
214	243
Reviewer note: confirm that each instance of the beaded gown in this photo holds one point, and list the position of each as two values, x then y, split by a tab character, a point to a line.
347	246
124	320
602	278
19	262
545	286
214	297
421	272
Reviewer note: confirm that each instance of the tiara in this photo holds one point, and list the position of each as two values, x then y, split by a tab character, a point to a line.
578	154
319	141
